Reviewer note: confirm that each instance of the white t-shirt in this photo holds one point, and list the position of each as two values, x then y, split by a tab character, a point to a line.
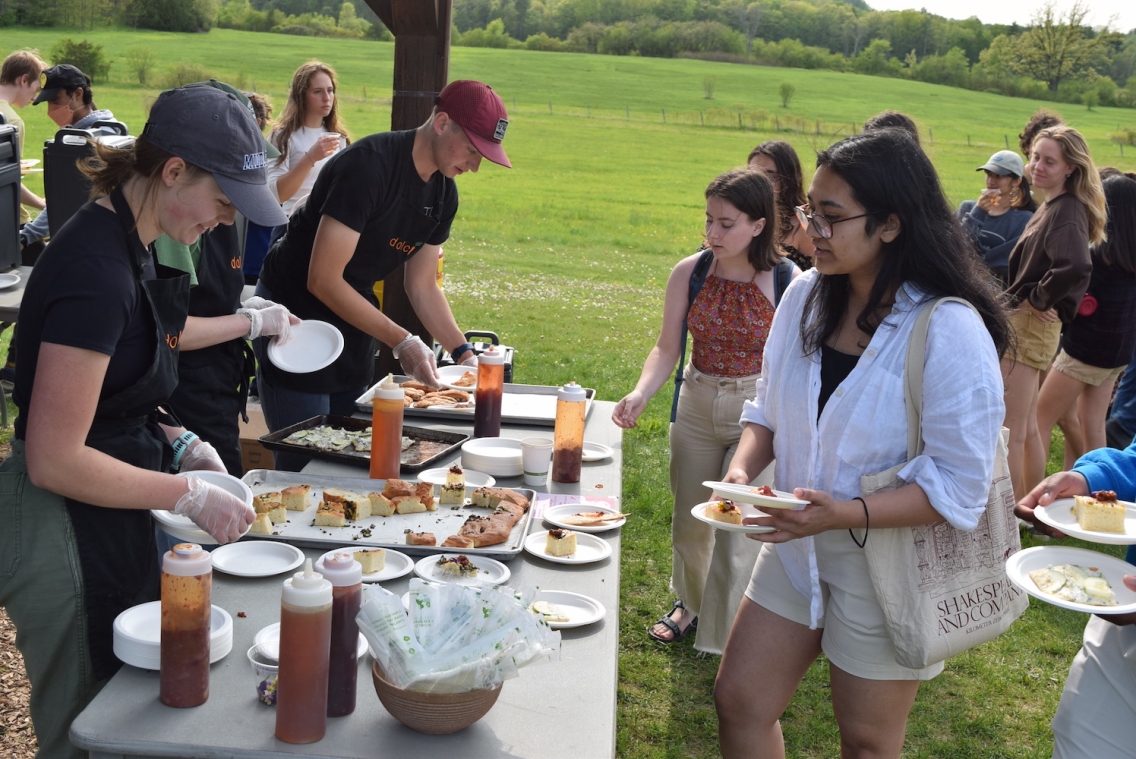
298	144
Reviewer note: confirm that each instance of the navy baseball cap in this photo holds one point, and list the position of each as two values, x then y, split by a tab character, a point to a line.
61	77
212	130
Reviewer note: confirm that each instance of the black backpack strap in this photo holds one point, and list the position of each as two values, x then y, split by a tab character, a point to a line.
697	279
782	276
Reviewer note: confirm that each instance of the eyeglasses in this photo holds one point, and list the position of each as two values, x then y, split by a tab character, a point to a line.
822	224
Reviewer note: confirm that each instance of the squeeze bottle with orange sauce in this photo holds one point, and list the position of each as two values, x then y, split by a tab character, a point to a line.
568	435
487	396
386	430
187	585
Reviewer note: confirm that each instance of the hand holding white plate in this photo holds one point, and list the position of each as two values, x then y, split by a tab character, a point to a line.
747	510
397	564
588	549
311	346
752	494
490	571
1059	515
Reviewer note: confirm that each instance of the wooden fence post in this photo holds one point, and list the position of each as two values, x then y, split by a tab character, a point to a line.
664	110
628	109
701	121
550	107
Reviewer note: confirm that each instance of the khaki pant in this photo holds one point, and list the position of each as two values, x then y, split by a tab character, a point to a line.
710	568
41	587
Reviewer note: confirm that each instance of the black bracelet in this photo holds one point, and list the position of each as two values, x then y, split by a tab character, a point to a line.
460	350
867	523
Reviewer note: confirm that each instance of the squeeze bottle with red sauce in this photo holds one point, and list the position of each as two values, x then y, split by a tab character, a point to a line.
487	397
187	583
346	576
386	430
568	437
305	641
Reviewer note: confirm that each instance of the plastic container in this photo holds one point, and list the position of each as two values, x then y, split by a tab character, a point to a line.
487	396
346	577
568	438
386	430
305	642
187	610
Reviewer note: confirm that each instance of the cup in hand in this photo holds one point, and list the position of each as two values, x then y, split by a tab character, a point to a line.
536	457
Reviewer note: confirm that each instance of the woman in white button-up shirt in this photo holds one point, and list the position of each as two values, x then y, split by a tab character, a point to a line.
830	408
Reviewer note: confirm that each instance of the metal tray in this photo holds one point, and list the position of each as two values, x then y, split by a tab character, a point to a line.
385	532
275	441
520	404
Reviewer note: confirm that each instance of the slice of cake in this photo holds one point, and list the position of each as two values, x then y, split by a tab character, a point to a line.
269	503
335	495
409	504
381	506
421	539
425	493
356	507
453	492
329	516
560	543
1099	512
262	525
490	497
372	560
395	488
295	497
724	511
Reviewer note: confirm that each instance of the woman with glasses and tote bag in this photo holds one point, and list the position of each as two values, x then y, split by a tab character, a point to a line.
831	408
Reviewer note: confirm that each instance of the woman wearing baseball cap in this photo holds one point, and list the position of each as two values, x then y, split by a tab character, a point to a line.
997	219
100	331
387	200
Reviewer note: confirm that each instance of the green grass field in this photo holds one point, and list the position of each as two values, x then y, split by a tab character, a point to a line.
566	257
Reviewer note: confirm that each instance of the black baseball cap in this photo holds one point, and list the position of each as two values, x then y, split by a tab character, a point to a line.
270	150
212	130
61	77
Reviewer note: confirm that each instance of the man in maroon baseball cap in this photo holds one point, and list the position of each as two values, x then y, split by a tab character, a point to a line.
478	110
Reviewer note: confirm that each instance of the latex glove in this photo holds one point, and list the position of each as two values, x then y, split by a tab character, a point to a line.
417	360
471	361
218	512
271	320
258	302
202	455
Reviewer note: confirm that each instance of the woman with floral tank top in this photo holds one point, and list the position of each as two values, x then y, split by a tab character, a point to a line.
728	323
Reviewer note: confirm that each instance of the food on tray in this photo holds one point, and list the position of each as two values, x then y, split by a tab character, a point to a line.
381	506
352	505
560	543
269	503
413	393
459	541
329	516
295	497
457	566
442	398
421	539
1071	582
425	493
262	525
372	560
469	379
724	511
487	531
550	611
409	504
453	492
327	438
416	385
490	497
764	490
591	518
1099	512
395	488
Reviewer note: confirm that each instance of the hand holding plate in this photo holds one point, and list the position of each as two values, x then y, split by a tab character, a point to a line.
1060	485
822	513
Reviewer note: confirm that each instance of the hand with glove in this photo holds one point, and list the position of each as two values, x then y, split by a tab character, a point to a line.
201	456
417	360
471	361
218	512
267	318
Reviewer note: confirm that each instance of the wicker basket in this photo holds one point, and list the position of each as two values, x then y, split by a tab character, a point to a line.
433	713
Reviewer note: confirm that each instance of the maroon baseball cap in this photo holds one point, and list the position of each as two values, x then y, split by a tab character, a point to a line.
479	111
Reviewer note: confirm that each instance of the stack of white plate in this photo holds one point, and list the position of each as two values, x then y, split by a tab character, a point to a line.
184	528
498	456
138	635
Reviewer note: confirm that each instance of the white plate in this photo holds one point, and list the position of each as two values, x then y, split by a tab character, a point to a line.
556	514
184	528
1059	514
27	163
138	633
699	513
311	346
596	452
500	456
472	479
1022	563
9	279
492	572
580	610
271	634
397	564
258	558
748	494
589	549
451	374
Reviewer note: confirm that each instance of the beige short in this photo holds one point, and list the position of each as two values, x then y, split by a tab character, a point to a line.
1035	342
1082	372
855	635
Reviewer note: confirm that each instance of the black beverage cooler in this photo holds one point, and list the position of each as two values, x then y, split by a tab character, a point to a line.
65	187
9	197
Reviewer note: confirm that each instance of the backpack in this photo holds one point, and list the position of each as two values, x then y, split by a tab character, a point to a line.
782	274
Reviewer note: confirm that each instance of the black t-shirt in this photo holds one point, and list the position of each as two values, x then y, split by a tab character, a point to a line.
834	369
83	293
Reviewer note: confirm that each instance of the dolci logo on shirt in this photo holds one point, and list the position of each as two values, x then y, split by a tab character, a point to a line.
172	341
255	161
404	247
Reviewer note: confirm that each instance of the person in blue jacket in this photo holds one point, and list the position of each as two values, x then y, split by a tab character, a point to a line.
996	220
1097	713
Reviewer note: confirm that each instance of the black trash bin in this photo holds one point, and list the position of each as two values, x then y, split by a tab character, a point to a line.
65	187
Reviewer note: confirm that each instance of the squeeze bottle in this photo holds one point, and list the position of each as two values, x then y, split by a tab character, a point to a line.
187	583
305	640
346	576
568	437
487	397
386	430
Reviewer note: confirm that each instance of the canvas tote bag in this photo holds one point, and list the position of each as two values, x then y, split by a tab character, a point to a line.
943	590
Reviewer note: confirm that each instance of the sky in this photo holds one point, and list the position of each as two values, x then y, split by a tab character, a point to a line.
1009	11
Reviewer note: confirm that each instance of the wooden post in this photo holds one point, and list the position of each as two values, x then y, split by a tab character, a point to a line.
421	31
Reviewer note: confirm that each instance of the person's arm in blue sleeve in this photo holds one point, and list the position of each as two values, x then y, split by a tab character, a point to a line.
1110	469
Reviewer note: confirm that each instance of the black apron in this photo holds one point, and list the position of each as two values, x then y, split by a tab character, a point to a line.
401	221
213	382
116	547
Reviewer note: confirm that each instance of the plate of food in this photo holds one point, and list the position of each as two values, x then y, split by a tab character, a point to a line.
311	346
458	377
596	452
562	609
585	517
567	547
461	569
379	564
472	479
9	279
1098	518
260	558
1074	578
727	515
758	495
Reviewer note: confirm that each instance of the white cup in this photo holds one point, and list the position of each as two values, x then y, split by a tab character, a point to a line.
536	456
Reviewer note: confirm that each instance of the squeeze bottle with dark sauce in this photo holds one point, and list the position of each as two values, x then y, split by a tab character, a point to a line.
487	396
568	437
305	641
386	430
346	576
187	584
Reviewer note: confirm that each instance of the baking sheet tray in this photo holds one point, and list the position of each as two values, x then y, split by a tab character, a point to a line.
385	532
452	440
520	404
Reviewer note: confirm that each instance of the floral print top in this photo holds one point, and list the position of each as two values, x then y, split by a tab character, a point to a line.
729	322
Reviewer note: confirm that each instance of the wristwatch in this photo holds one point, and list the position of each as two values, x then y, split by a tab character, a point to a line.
181	445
